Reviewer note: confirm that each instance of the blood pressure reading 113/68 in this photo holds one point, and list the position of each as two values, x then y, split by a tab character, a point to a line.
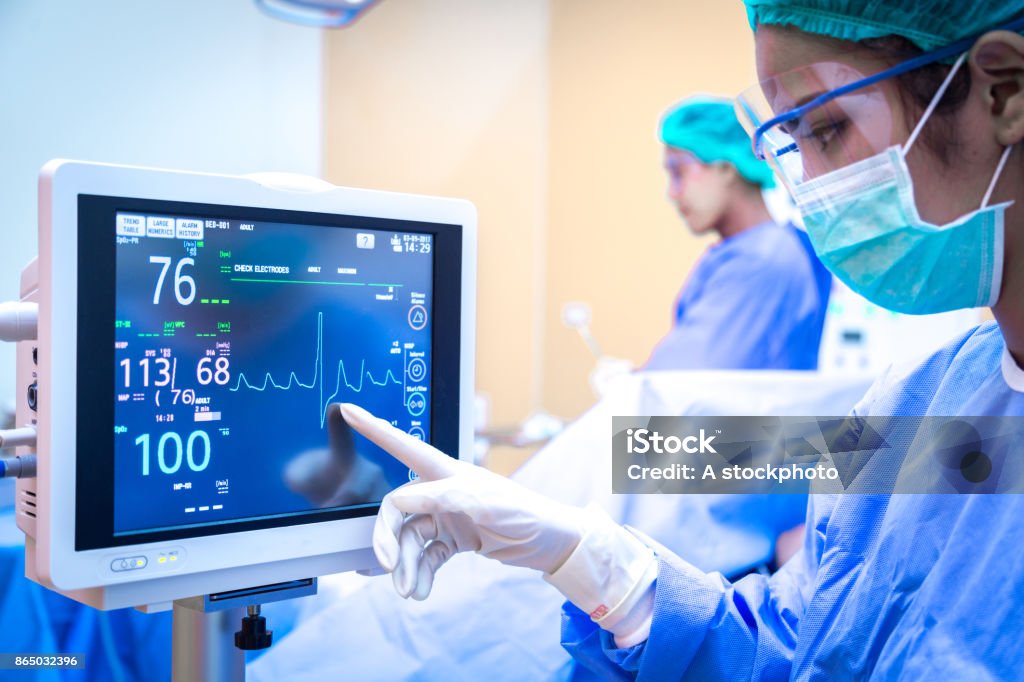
233	337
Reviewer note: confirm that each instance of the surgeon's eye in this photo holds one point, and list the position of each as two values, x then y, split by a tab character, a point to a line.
825	135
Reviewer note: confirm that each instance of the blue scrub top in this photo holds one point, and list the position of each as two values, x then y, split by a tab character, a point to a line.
886	587
754	301
123	645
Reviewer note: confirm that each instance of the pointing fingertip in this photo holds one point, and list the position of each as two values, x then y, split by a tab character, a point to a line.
353	414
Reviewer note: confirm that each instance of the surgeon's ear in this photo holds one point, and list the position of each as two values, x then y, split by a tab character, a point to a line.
726	171
997	67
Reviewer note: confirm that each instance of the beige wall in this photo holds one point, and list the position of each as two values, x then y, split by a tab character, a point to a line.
543	113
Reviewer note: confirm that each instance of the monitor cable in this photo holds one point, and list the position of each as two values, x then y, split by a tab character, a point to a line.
18	321
18	466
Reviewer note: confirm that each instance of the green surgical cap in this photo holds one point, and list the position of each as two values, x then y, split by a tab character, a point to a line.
707	128
926	23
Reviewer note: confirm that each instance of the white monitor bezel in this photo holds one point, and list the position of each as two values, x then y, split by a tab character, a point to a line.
57	562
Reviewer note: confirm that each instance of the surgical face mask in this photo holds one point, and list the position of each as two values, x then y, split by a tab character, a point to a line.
863	222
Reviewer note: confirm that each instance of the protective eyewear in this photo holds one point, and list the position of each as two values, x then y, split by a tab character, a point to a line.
826	116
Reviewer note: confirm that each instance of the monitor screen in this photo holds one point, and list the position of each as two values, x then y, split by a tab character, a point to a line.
234	331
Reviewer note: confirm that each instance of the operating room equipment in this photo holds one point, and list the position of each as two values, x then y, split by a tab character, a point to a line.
860	336
188	325
317	13
537	429
577	315
18	321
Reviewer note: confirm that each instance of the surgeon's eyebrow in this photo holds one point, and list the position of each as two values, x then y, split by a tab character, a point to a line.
808	98
794	123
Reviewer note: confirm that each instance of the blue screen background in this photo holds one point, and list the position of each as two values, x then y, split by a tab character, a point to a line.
250	359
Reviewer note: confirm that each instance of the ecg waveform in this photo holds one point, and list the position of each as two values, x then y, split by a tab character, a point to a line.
318	376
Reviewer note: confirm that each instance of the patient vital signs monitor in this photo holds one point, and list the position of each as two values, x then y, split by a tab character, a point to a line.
233	332
194	332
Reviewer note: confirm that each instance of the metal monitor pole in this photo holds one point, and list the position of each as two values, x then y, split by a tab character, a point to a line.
203	646
207	644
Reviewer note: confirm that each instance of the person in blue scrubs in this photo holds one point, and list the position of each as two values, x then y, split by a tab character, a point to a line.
897	128
757	298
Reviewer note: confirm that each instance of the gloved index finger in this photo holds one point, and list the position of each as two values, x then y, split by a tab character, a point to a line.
427	461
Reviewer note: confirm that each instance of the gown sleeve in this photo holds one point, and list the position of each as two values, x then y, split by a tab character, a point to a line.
706	628
737	311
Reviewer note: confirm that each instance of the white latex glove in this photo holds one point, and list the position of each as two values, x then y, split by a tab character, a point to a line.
456	507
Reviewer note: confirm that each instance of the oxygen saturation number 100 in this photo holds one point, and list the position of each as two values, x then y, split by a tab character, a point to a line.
170	452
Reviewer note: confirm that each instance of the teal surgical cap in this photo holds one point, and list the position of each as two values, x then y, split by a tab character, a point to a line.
926	23
707	128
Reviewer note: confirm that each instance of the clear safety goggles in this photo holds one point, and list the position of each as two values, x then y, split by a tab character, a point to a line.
826	116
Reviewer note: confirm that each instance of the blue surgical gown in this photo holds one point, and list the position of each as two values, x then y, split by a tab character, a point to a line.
886	587
754	301
123	645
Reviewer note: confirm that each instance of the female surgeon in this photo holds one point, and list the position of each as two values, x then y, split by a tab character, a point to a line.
896	125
